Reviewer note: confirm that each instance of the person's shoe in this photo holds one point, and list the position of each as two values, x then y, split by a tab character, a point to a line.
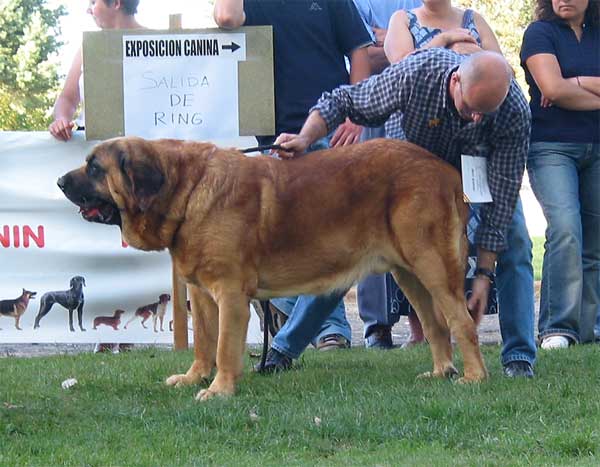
518	369
380	338
275	361
554	342
333	342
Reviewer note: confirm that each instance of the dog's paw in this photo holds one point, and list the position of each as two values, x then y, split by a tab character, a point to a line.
206	394
177	381
447	373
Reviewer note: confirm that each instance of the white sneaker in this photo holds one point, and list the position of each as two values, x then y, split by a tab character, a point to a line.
555	342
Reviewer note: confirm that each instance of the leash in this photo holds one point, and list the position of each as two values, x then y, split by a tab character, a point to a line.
265	147
267	325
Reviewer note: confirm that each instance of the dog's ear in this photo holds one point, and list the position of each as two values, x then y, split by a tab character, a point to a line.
83	281
144	178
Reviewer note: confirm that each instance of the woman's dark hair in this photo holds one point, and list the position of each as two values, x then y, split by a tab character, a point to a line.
544	11
129	6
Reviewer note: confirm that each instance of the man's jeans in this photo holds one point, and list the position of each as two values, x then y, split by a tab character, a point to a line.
310	317
565	178
516	303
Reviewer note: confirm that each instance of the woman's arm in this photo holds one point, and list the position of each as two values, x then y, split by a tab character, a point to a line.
229	14
398	40
487	36
67	102
589	83
545	69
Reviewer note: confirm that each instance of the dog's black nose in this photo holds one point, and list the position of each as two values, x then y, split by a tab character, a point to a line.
61	183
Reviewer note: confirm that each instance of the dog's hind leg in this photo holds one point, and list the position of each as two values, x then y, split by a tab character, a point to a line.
434	327
234	314
446	286
128	322
205	318
44	309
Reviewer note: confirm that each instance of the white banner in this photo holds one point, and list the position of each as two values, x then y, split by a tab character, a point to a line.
45	245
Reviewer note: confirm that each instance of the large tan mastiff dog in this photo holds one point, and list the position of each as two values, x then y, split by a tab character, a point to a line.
239	227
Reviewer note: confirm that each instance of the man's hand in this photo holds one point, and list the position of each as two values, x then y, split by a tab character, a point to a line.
477	303
294	145
347	133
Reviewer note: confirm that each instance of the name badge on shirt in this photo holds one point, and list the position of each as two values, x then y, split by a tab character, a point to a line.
474	178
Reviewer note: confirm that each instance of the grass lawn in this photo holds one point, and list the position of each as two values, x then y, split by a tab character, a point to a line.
354	407
538	256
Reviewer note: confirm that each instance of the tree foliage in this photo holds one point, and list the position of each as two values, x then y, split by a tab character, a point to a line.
28	79
508	19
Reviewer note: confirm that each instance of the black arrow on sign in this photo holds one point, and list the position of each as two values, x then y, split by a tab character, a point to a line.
233	47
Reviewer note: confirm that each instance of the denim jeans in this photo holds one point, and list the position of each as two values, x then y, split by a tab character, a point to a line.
310	317
565	178
516	302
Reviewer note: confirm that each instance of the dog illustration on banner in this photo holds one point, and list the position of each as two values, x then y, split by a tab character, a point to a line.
111	321
16	307
155	310
71	299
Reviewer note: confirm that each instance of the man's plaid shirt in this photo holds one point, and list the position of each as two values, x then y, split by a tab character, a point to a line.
417	87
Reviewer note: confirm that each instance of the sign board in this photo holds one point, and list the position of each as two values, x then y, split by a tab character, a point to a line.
205	84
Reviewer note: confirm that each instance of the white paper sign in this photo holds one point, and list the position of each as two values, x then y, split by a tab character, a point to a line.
182	86
474	176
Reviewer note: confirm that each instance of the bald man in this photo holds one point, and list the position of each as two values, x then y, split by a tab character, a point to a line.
455	105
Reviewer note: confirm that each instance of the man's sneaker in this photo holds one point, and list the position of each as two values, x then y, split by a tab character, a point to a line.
275	361
332	342
380	338
518	369
555	342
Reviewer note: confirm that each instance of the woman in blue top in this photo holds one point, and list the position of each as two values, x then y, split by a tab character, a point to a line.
561	58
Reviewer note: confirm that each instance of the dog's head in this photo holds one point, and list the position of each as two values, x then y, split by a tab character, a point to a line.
77	282
29	294
122	175
119	313
164	298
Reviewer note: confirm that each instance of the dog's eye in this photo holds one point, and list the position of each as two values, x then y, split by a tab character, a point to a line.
94	170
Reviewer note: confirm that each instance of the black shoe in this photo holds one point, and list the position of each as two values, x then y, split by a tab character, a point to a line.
518	369
275	361
380	338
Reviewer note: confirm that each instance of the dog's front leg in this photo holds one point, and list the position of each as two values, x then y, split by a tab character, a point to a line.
234	314
80	316
71	320
205	320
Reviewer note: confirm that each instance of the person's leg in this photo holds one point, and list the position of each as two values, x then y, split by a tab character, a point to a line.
589	194
554	179
332	317
306	322
514	275
376	310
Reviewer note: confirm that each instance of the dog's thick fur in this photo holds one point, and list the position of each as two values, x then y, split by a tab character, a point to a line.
71	299
112	321
240	227
16	307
